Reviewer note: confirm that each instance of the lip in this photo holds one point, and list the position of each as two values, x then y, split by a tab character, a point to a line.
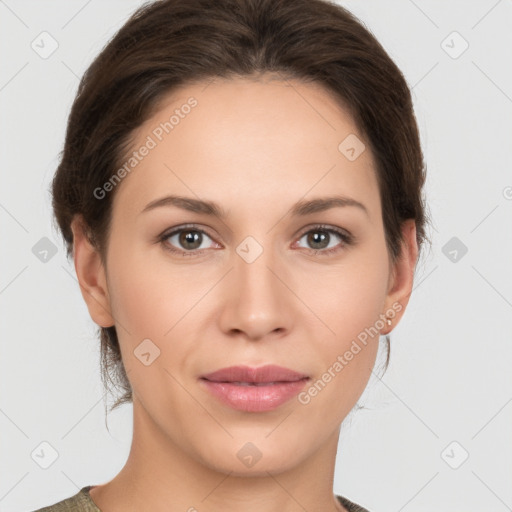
254	389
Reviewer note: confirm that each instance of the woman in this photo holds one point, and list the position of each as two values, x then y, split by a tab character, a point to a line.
241	191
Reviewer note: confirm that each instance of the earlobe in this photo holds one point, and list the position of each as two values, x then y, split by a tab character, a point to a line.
402	274
91	275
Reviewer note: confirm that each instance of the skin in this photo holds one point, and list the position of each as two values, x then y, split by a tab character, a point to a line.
256	147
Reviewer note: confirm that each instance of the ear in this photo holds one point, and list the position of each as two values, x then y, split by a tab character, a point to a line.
402	276
91	275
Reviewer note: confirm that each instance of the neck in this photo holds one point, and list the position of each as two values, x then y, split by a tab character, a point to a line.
160	475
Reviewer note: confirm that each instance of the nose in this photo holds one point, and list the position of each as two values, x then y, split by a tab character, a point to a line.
256	302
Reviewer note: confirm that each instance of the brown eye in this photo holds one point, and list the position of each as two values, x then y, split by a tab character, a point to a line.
186	241
322	239
190	239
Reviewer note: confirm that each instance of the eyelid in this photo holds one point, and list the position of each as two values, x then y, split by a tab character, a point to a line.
325	227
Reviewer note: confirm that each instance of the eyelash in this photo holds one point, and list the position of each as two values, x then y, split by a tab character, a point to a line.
347	239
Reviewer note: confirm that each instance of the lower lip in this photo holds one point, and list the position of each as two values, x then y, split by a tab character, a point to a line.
254	398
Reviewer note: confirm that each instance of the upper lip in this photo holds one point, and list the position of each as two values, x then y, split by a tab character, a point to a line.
267	373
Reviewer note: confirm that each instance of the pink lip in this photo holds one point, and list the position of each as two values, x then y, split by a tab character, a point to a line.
276	385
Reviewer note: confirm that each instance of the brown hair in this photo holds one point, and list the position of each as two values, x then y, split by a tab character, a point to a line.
170	43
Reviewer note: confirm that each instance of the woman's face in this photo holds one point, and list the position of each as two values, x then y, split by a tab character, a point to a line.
262	284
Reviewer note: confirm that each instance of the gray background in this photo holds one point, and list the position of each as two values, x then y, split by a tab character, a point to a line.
448	391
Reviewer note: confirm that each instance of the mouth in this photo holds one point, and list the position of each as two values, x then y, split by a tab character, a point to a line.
254	389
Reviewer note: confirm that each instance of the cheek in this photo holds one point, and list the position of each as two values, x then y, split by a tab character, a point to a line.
351	308
137	300
154	300
346	360
149	303
150	294
348	298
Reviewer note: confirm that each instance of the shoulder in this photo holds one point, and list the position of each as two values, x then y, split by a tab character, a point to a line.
350	505
80	502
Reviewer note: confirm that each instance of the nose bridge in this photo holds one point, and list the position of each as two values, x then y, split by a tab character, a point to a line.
255	266
258	302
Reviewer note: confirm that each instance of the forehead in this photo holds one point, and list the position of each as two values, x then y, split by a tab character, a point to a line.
247	140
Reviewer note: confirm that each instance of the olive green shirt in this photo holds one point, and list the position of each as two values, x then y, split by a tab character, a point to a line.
82	502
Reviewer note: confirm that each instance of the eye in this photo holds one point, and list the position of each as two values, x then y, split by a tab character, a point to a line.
190	240
320	238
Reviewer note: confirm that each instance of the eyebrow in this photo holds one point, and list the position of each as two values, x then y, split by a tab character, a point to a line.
301	208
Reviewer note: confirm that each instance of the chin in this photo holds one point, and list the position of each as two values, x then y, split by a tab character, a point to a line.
252	458
260	469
